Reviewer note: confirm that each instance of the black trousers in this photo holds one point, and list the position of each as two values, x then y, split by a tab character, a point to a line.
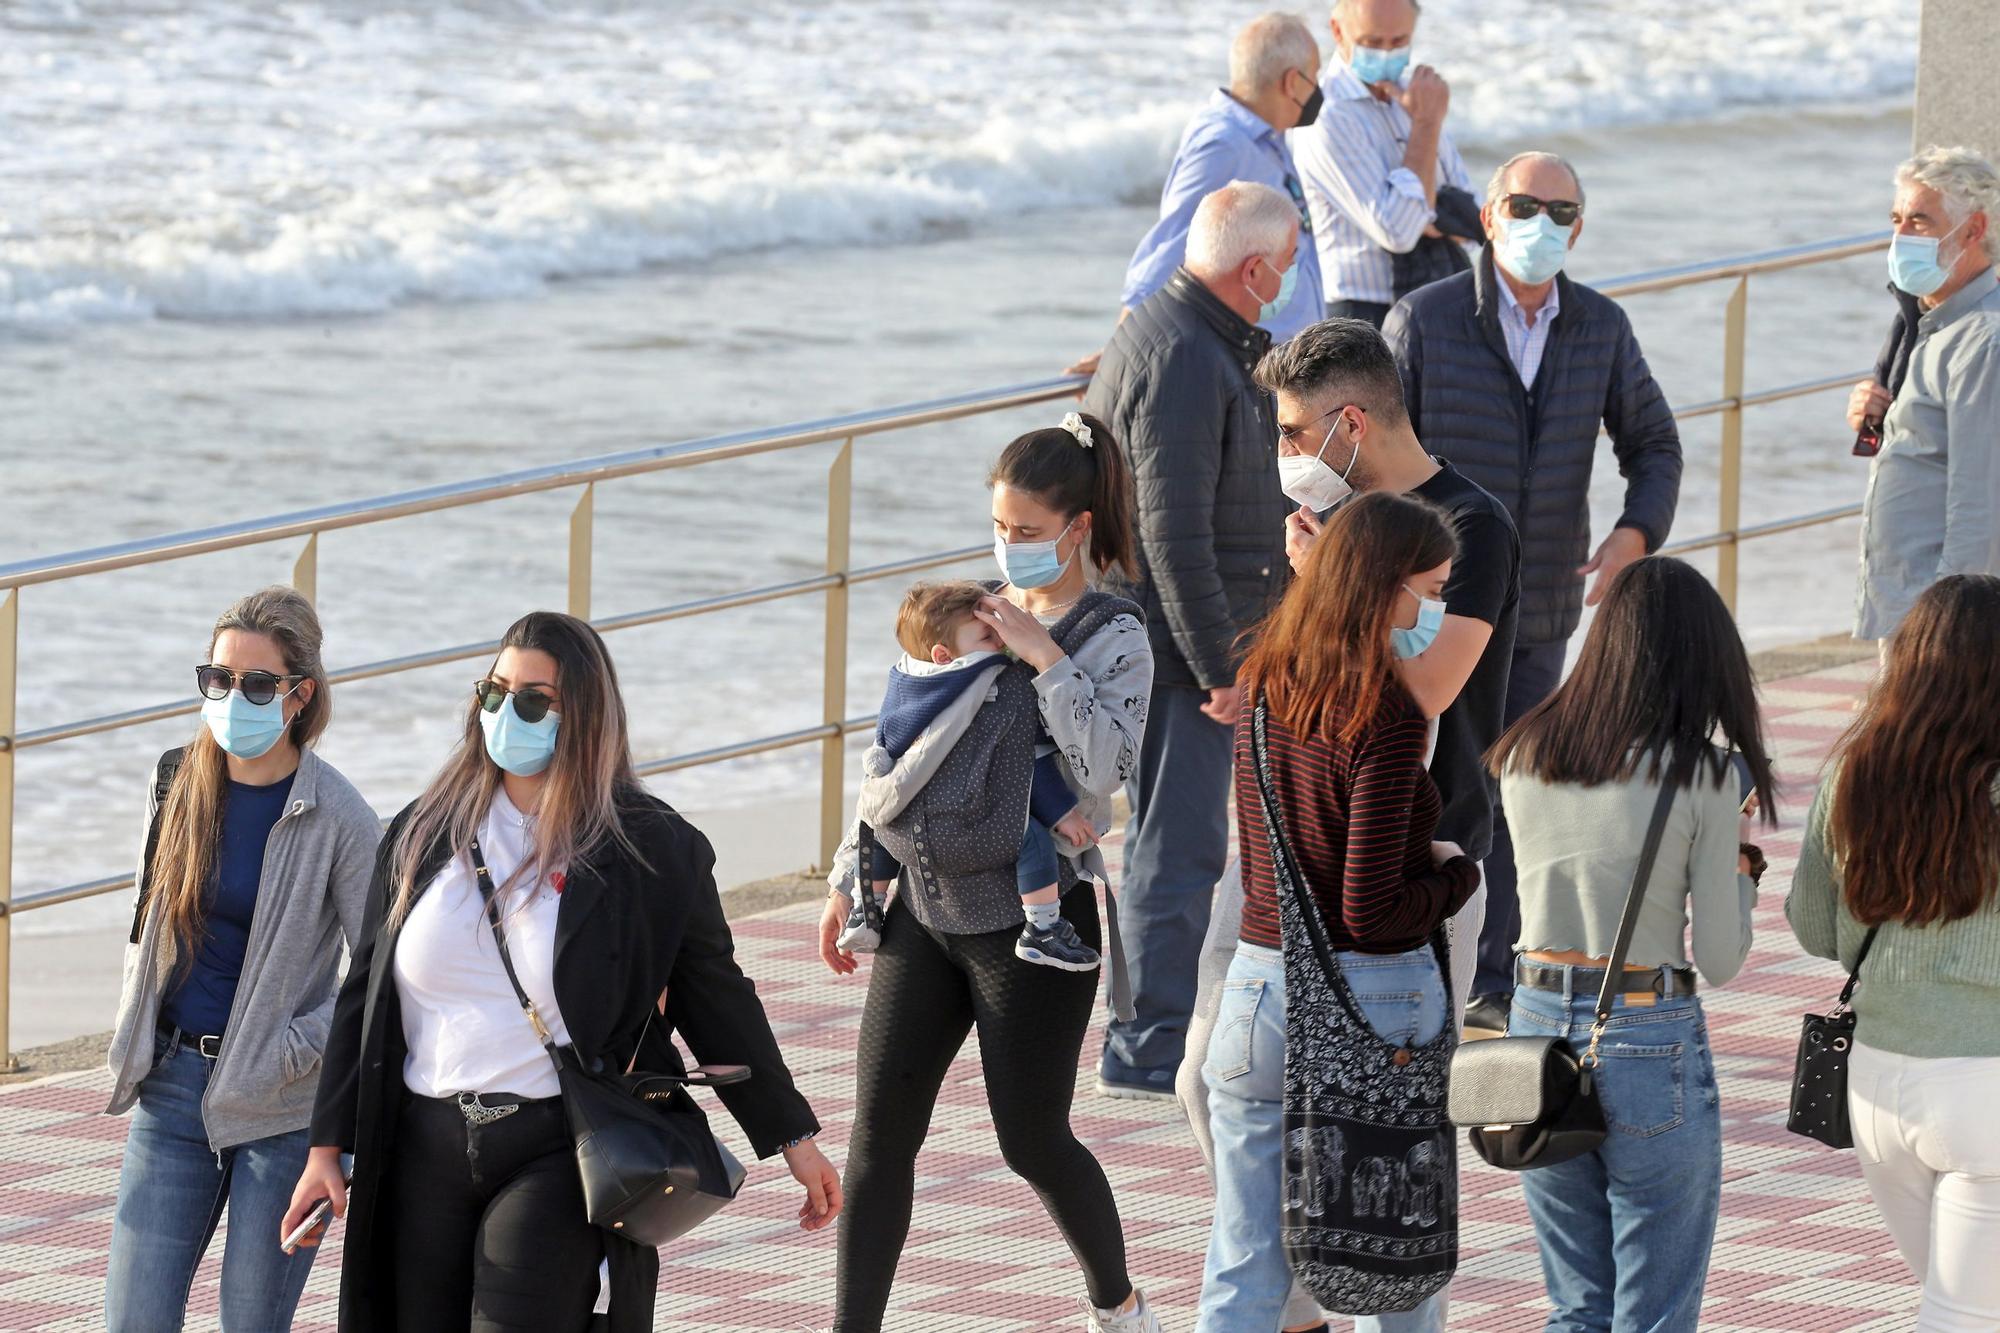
1536	671
490	1231
1375	312
925	993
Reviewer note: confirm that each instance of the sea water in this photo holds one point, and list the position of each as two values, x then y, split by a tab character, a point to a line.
257	258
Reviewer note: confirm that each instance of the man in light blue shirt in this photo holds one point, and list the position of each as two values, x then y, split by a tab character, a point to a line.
1239	136
1375	157
1933	502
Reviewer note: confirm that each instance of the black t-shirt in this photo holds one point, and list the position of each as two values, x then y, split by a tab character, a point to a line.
1485	584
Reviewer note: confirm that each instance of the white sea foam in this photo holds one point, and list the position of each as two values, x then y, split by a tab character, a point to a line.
224	159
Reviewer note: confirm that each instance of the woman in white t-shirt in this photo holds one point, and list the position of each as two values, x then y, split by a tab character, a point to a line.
466	1209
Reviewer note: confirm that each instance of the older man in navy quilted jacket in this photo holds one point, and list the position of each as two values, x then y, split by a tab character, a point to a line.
1510	371
1178	389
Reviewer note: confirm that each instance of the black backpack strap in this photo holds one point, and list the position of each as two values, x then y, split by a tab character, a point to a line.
163	782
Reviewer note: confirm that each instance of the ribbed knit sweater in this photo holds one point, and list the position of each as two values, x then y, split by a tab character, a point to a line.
1928	991
1360	819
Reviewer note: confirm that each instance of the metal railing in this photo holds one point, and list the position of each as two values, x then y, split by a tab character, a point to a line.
835	725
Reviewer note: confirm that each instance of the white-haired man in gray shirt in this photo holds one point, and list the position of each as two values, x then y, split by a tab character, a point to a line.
1933	504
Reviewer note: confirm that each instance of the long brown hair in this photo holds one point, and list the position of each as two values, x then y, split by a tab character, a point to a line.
1321	661
183	867
1061	472
1913	825
587	782
1661	674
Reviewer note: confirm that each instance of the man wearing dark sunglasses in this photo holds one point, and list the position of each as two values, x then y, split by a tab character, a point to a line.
1509	372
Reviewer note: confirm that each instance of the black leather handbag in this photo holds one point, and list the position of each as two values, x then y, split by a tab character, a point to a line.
1530	1101
1819	1075
652	1170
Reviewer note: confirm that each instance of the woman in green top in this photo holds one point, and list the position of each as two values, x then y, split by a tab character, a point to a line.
1904	842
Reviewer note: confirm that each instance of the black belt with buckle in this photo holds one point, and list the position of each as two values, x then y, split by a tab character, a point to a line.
1659	983
207	1047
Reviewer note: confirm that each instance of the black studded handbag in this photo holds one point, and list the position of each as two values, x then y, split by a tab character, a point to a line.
651	1168
1819	1075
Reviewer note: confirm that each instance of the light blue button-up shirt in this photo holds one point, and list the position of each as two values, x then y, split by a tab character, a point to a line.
1226	141
1526	344
1366	205
1933	505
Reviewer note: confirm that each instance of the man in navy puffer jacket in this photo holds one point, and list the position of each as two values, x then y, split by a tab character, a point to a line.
1510	371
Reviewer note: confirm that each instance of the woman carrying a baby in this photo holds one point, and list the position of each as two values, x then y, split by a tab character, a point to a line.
954	951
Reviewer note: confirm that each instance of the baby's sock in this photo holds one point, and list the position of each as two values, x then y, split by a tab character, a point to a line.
1042	916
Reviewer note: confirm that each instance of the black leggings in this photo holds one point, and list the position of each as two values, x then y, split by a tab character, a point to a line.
489	1222
924	994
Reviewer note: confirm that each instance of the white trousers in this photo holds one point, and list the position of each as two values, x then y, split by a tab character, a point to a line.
1923	1129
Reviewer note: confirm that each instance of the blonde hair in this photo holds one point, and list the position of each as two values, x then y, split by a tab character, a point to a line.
586	782
931	611
190	821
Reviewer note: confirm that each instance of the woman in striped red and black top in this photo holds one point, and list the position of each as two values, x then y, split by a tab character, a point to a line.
1346	749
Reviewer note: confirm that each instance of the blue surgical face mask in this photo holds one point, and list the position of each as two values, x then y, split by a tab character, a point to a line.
1913	263
1032	564
521	748
1372	64
1532	249
1287	281
244	729
1408	643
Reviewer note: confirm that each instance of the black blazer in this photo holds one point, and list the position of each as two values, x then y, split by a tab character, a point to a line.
624	931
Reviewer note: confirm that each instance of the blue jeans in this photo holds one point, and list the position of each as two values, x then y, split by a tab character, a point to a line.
171	1191
1625	1231
1246	1278
1035	867
1176	847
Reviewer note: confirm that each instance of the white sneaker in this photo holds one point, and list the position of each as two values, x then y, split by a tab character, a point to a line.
1139	1319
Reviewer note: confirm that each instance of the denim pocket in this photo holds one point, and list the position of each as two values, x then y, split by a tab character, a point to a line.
1235	1029
1391	1015
1641	1088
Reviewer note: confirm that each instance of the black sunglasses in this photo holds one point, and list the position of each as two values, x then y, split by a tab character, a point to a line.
1290	434
1562	212
259	687
530	705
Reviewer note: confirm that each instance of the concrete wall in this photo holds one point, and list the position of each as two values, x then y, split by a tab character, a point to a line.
1958	75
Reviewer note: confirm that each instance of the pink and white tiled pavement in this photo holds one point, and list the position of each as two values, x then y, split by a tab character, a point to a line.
1799	1246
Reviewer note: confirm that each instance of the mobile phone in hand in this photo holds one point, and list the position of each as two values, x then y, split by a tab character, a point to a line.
319	1214
1868	441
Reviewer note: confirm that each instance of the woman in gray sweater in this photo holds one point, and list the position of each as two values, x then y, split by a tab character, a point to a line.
255	870
1662	685
1902	860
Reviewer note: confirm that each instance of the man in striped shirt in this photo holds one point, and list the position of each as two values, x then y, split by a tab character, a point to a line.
1372	161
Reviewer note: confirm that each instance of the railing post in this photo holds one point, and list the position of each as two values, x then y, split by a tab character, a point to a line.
579	553
1730	483
305	573
10	622
833	750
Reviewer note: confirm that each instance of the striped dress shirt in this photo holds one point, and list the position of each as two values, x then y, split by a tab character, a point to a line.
1525	342
1365	204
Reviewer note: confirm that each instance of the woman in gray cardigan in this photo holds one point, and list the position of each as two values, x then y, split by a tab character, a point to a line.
256	867
1662	685
1902	859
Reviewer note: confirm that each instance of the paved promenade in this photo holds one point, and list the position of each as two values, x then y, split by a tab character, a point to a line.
1799	1246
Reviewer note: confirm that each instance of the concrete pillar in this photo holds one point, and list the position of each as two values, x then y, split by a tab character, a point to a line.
1958	95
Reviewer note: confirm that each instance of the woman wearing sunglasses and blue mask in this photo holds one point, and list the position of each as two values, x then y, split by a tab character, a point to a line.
466	1208
255	871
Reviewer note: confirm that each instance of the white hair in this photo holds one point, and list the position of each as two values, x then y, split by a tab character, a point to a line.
1966	182
1496	184
1269	45
1237	221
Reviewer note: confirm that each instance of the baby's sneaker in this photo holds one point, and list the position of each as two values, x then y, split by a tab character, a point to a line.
1055	946
862	932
